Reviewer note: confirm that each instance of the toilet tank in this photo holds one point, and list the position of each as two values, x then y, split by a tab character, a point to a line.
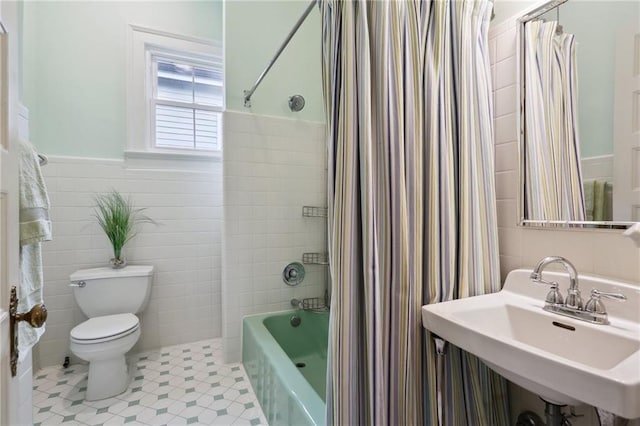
108	291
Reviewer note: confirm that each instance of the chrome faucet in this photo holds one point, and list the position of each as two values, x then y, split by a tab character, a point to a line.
593	312
574	300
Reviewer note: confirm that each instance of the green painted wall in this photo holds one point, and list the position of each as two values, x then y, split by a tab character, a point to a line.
74	71
253	32
595	24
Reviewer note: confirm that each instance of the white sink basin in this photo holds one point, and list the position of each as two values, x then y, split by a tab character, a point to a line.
564	360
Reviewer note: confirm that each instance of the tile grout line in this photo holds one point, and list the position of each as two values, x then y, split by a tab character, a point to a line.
182	384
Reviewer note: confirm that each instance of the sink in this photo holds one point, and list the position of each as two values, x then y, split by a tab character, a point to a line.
563	360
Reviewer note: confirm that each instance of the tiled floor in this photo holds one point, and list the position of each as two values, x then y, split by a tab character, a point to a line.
177	385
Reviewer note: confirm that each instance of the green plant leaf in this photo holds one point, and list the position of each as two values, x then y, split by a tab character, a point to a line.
118	218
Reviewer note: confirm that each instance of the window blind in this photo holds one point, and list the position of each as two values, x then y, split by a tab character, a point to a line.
188	104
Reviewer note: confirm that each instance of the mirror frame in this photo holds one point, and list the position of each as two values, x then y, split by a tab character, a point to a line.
522	221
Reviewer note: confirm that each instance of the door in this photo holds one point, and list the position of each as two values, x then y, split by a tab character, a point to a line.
626	127
11	389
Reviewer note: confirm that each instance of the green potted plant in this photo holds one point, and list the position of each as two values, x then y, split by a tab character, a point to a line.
119	219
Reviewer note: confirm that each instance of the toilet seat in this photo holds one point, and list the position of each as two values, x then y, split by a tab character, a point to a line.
105	328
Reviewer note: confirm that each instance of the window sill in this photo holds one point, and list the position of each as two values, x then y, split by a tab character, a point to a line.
171	160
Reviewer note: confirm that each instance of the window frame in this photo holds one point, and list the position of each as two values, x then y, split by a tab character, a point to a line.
143	44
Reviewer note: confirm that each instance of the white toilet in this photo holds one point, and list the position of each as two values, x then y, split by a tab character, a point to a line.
110	298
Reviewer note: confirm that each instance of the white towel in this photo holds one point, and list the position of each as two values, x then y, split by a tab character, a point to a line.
35	227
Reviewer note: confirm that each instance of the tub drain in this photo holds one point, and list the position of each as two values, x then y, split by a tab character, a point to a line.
295	321
300	364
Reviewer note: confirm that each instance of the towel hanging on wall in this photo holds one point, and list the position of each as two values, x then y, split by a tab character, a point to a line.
35	227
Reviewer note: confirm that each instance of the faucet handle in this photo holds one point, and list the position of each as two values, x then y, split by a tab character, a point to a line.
615	296
539	280
595	305
553	297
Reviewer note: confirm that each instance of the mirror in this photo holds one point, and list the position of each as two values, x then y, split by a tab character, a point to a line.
580	114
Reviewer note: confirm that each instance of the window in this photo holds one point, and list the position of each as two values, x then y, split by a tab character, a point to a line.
186	104
175	97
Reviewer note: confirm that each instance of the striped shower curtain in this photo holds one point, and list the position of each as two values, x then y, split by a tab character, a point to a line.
412	206
552	168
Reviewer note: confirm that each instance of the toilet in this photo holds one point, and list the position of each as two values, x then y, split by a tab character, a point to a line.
110	298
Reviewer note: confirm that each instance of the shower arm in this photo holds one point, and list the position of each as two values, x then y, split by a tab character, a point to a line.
249	93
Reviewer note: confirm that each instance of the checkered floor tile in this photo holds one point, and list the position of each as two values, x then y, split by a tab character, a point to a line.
178	385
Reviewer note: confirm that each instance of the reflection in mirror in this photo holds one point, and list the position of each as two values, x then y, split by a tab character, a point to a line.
552	174
580	77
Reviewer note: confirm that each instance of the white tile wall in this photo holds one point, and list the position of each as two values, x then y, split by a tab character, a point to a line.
272	167
603	252
184	248
600	167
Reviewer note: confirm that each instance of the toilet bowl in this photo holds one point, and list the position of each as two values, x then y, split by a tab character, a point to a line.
110	298
103	342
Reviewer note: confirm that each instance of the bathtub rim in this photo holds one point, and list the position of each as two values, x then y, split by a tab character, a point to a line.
296	384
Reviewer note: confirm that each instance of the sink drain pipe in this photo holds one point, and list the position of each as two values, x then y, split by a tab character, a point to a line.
553	415
441	350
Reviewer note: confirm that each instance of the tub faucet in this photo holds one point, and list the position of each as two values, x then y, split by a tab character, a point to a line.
573	300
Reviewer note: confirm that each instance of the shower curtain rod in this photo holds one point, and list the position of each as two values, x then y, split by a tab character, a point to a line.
249	93
541	10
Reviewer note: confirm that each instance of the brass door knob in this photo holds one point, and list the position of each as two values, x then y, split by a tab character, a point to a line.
36	317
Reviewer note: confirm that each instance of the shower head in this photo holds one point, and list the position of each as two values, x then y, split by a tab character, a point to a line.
296	103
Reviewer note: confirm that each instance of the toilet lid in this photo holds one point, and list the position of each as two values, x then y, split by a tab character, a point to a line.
105	327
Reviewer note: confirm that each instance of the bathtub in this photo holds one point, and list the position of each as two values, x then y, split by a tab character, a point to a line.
287	365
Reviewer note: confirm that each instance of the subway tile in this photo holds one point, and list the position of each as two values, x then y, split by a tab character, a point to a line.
492	51
583	248
506	72
506	45
506	157
493	79
507	185
510	241
506	128
507	213
536	244
287	172
189	211
616	256
60	302
506	101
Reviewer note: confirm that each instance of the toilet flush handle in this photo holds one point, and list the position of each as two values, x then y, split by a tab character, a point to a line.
80	284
